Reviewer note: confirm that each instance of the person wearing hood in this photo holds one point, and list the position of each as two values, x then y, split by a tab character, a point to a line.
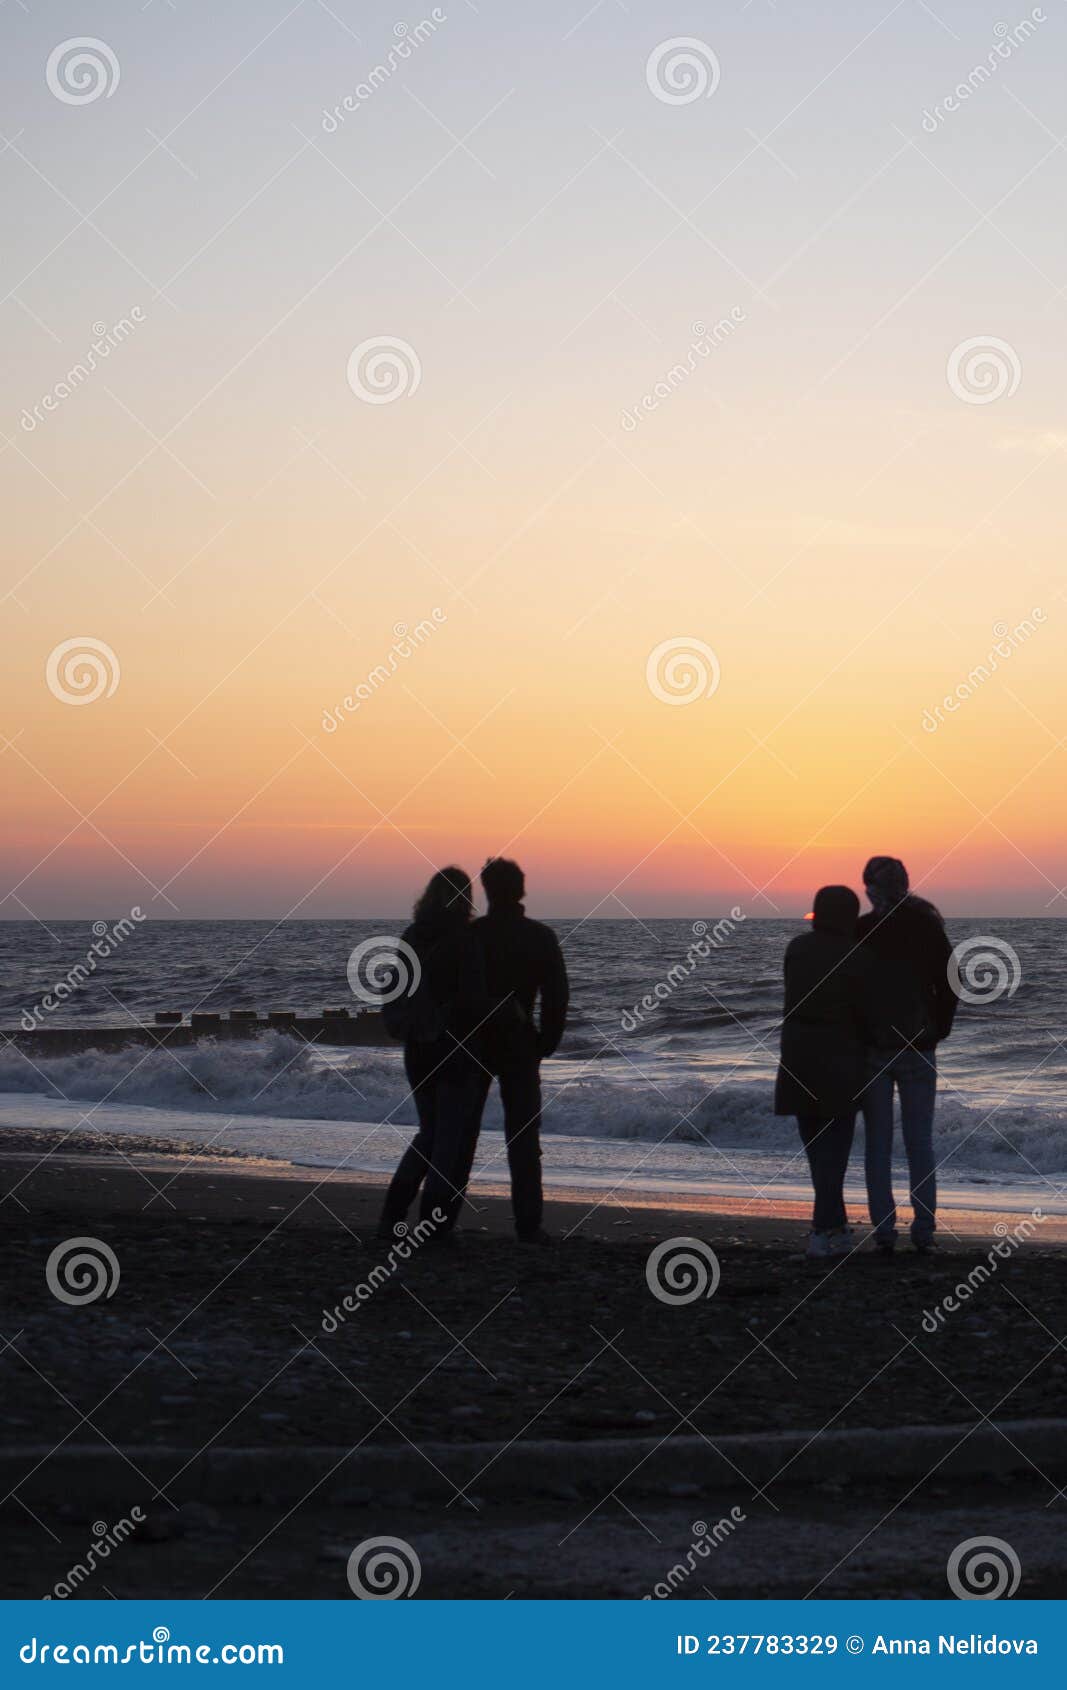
906	937
827	1025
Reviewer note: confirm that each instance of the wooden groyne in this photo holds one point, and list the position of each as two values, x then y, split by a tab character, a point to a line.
171	1028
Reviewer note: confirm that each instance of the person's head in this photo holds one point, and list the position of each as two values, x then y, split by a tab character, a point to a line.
503	882
885	880
836	910
446	901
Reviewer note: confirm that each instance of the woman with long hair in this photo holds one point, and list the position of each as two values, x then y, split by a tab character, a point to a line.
438	1069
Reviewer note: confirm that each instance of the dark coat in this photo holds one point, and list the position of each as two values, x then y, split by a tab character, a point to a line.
522	962
828	1022
911	951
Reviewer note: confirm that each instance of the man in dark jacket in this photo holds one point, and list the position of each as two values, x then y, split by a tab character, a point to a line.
906	937
826	1026
526	993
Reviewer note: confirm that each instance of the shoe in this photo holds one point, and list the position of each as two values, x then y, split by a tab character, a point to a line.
538	1237
818	1247
840	1241
924	1246
886	1248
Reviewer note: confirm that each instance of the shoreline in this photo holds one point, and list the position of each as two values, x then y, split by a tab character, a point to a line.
222	1183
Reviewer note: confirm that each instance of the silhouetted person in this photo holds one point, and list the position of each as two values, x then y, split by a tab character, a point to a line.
826	1027
906	937
440	1072
526	992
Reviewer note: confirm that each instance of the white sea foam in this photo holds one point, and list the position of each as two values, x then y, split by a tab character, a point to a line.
307	1104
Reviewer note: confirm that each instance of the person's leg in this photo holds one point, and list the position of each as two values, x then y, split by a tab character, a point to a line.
808	1127
461	1093
917	1080
520	1093
828	1144
877	1105
411	1169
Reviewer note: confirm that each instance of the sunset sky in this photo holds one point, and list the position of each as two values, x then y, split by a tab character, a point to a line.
828	500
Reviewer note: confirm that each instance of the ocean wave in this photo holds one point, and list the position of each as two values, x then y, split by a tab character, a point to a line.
1018	1136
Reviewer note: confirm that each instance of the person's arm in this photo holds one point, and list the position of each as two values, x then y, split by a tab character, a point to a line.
555	995
945	1000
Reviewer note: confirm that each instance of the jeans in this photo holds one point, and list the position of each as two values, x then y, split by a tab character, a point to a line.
445	1087
828	1144
914	1074
520	1093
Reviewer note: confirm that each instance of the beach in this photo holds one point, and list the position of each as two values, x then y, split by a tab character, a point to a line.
228	1330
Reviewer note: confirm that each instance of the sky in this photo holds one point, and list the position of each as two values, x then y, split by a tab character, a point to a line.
683	382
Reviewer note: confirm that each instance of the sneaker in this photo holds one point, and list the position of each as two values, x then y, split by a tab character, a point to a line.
818	1249
840	1241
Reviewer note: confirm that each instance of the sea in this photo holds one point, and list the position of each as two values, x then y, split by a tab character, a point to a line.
662	1088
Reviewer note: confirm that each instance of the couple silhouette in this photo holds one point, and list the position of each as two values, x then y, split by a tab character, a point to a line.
489	1004
867	1001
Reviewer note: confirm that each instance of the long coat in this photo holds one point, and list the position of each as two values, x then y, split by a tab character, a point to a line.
829	1020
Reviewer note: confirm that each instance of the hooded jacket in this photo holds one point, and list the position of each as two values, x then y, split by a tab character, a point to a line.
911	951
828	1021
